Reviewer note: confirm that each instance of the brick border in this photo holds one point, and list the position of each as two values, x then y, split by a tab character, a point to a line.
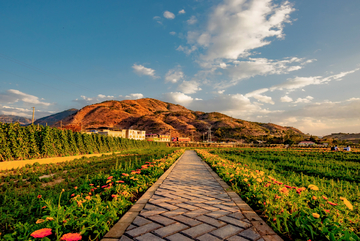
120	227
266	232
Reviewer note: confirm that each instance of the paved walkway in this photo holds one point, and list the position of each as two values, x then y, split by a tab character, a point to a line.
191	204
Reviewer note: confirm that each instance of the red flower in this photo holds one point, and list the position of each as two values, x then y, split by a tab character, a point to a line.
125	174
73	194
71	237
43	207
327	210
110	177
91	184
41	233
287	186
39	196
331	203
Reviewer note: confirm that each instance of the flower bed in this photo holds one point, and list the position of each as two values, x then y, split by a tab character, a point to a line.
293	206
88	209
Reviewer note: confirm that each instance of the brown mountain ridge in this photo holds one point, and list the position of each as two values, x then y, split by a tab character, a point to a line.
155	116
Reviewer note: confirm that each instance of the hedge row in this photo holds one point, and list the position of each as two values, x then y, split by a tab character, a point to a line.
29	142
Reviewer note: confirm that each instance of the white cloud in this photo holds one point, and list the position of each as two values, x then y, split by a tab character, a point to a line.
174	75
257	94
16	96
192	20
24	112
178	98
322	118
135	96
300	82
142	70
169	15
236	27
286	99
186	49
223	65
182	11
157	18
189	87
84	100
240	70
307	99
172	33
105	96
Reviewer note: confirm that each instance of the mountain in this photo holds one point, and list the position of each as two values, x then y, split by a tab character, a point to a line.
13	118
52	119
160	117
351	137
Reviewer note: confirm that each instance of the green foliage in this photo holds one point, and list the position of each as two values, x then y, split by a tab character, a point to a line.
5	152
19	142
88	195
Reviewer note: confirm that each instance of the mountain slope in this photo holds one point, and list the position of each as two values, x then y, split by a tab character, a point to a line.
156	116
52	119
13	118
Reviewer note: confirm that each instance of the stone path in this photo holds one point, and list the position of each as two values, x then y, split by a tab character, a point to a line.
191	204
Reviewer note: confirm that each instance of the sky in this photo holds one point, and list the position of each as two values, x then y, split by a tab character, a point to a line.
292	63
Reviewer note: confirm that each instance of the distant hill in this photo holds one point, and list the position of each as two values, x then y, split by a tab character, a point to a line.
52	119
13	118
353	137
160	117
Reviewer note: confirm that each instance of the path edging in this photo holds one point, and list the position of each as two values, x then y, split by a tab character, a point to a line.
120	227
266	232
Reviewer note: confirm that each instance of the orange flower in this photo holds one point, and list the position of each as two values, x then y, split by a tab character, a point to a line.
75	188
41	233
125	174
39	196
120	181
43	207
50	218
327	210
110	177
71	237
314	198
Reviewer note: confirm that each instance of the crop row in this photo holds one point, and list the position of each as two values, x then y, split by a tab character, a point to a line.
84	200
331	165
295	205
19	142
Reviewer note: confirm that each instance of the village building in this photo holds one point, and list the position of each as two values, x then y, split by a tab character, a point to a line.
123	133
307	143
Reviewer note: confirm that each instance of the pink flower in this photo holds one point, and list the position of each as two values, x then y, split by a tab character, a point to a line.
41	233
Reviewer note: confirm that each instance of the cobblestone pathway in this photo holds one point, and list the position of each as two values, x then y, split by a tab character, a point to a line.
191	205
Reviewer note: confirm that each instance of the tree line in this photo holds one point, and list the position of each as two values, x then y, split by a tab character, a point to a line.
34	141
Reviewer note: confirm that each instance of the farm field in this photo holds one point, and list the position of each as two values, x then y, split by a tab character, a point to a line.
83	197
303	195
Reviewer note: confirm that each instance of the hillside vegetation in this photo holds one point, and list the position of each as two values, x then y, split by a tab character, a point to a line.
156	116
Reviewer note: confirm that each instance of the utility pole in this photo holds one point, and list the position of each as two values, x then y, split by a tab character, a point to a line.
209	134
33	116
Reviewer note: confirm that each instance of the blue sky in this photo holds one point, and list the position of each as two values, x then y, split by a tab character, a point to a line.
293	63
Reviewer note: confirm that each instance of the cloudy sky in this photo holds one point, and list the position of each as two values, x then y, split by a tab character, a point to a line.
293	63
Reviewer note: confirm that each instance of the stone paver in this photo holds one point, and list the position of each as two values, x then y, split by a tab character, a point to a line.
191	204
